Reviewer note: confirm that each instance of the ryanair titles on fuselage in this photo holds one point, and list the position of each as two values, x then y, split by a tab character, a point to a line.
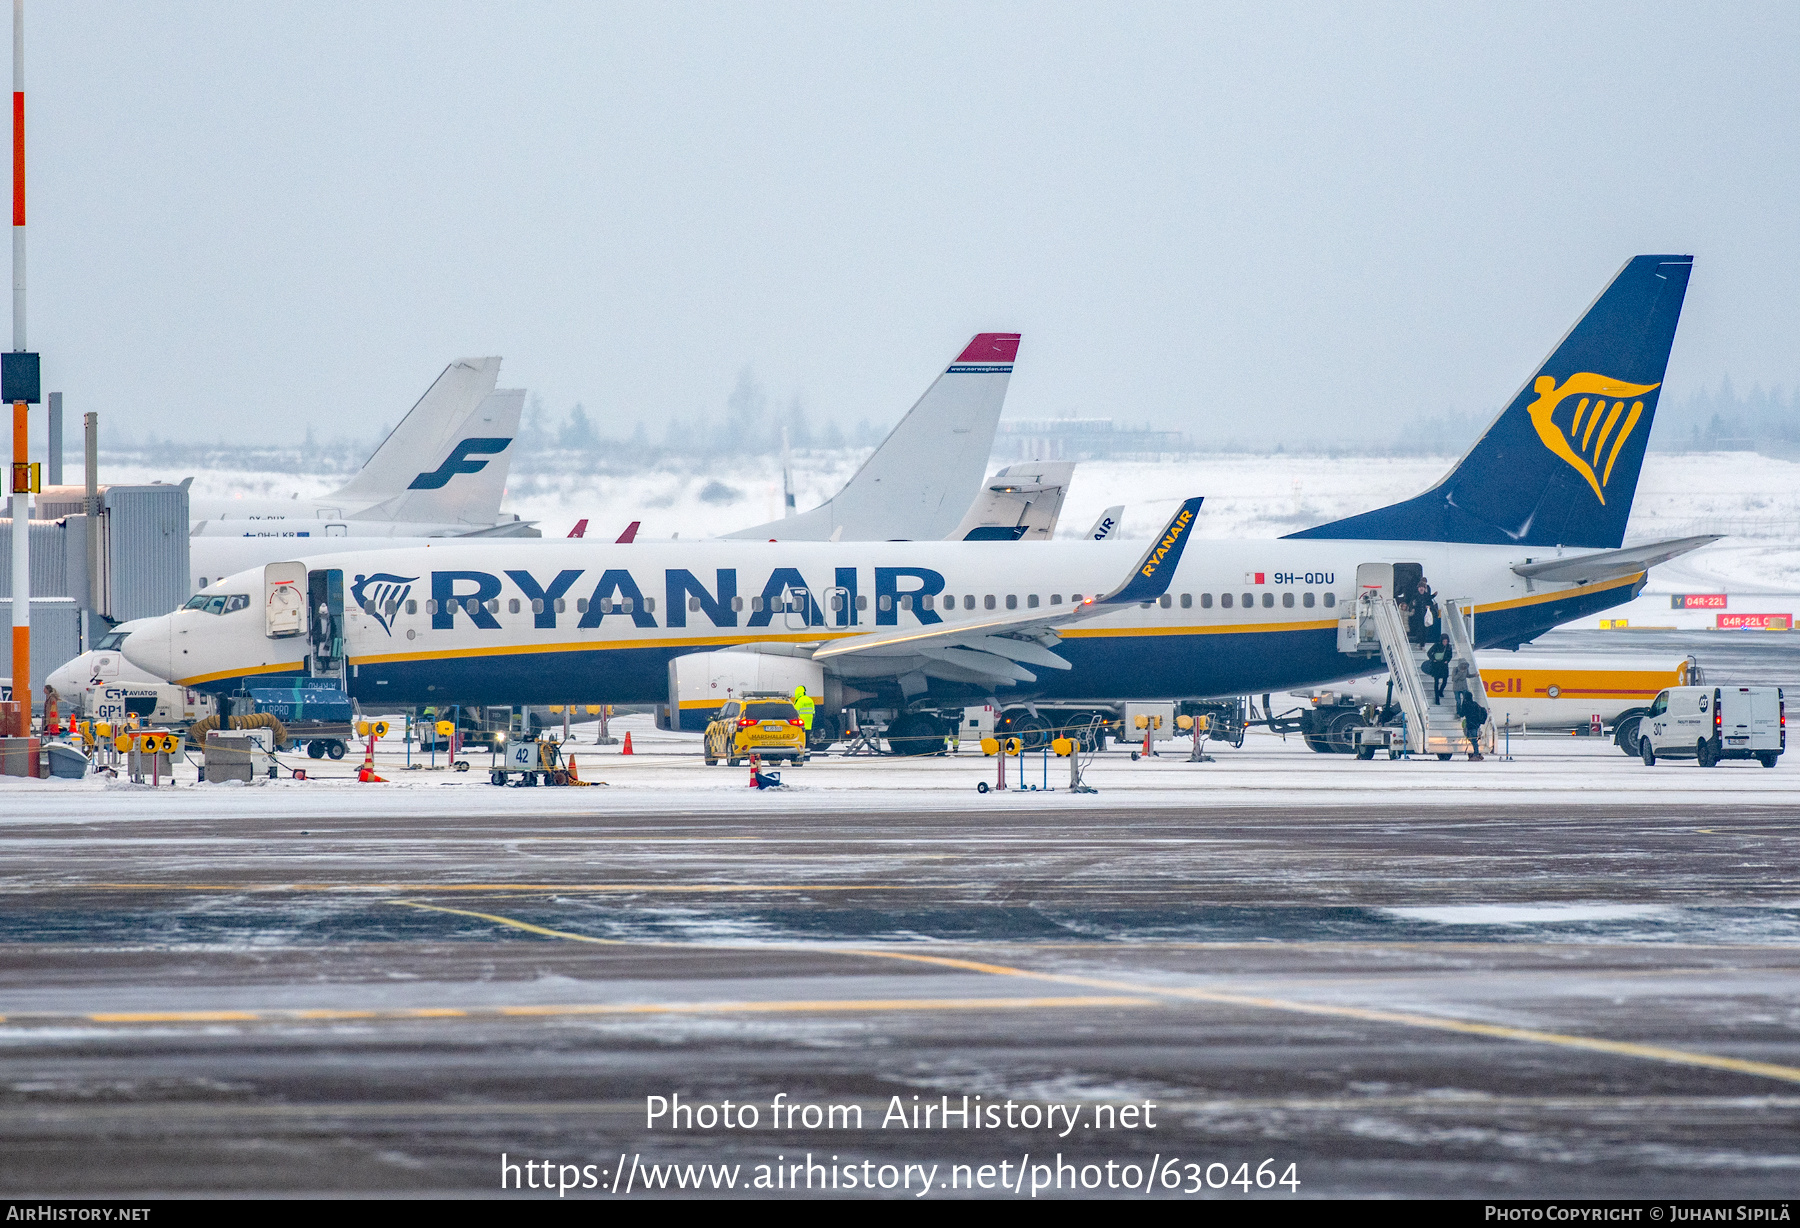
478	590
517	622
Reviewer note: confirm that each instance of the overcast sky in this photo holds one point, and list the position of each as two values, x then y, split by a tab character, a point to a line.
247	219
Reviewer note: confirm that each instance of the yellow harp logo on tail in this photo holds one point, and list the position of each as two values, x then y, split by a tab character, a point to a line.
1593	424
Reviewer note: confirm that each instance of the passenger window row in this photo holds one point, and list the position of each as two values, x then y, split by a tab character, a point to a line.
1227	600
989	601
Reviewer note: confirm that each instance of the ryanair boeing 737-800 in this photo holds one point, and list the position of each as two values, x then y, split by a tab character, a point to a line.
1526	531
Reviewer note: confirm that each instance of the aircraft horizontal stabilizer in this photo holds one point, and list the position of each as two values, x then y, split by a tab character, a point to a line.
506	528
1611	564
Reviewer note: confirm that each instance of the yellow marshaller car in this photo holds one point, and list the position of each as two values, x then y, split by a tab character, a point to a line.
763	724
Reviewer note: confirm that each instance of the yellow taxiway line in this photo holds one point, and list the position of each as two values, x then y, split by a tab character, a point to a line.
1118	993
1617	1048
450	888
552	1010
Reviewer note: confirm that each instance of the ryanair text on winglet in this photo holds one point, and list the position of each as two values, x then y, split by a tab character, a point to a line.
1176	529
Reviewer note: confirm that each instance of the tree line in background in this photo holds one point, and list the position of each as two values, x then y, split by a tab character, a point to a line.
748	425
1761	420
1705	420
1709	419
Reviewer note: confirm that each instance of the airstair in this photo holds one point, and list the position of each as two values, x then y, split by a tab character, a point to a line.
1427	727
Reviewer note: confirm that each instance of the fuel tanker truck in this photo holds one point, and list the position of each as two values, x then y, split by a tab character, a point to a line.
1524	691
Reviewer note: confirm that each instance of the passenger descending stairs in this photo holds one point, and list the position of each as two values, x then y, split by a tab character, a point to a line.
1431	728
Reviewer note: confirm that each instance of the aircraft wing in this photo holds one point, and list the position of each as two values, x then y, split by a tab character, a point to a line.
1611	564
997	646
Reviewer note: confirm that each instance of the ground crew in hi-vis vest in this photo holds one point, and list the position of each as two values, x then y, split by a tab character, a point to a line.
804	705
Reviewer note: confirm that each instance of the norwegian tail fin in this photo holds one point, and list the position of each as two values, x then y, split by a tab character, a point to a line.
1559	466
919	482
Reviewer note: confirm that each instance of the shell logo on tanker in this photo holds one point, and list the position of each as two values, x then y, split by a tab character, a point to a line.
1607	685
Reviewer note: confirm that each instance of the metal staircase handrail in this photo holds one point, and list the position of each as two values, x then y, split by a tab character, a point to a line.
1462	644
1396	650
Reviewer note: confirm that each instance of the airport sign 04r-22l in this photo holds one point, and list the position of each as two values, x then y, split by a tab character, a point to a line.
1756	622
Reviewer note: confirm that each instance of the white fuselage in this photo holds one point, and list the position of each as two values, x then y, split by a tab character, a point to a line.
612	616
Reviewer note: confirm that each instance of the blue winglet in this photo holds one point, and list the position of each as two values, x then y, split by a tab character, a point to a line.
1150	578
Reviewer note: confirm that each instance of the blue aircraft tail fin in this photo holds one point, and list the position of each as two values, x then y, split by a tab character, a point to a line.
1559	465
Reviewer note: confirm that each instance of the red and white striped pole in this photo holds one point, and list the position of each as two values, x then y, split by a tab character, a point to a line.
21	501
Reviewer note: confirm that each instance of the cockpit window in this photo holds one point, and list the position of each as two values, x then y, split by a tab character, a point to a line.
219	603
112	639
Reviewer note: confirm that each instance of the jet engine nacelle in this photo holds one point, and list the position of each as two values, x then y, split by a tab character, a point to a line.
701	683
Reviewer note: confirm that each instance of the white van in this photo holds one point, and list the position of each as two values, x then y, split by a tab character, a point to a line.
1710	723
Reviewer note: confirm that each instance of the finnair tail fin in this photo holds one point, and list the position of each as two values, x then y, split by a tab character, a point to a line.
452	431
916	485
1559	465
1021	503
1108	524
463	477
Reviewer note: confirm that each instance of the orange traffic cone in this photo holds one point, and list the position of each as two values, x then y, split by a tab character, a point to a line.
627	749
753	771
367	773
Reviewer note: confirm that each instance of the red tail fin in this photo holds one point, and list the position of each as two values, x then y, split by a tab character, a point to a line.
629	533
580	529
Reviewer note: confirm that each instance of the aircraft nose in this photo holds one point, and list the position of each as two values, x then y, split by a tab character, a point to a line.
148	647
66	679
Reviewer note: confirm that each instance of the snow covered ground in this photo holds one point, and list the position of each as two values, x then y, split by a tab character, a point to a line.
666	775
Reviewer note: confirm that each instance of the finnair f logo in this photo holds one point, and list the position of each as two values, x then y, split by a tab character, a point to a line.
458	462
